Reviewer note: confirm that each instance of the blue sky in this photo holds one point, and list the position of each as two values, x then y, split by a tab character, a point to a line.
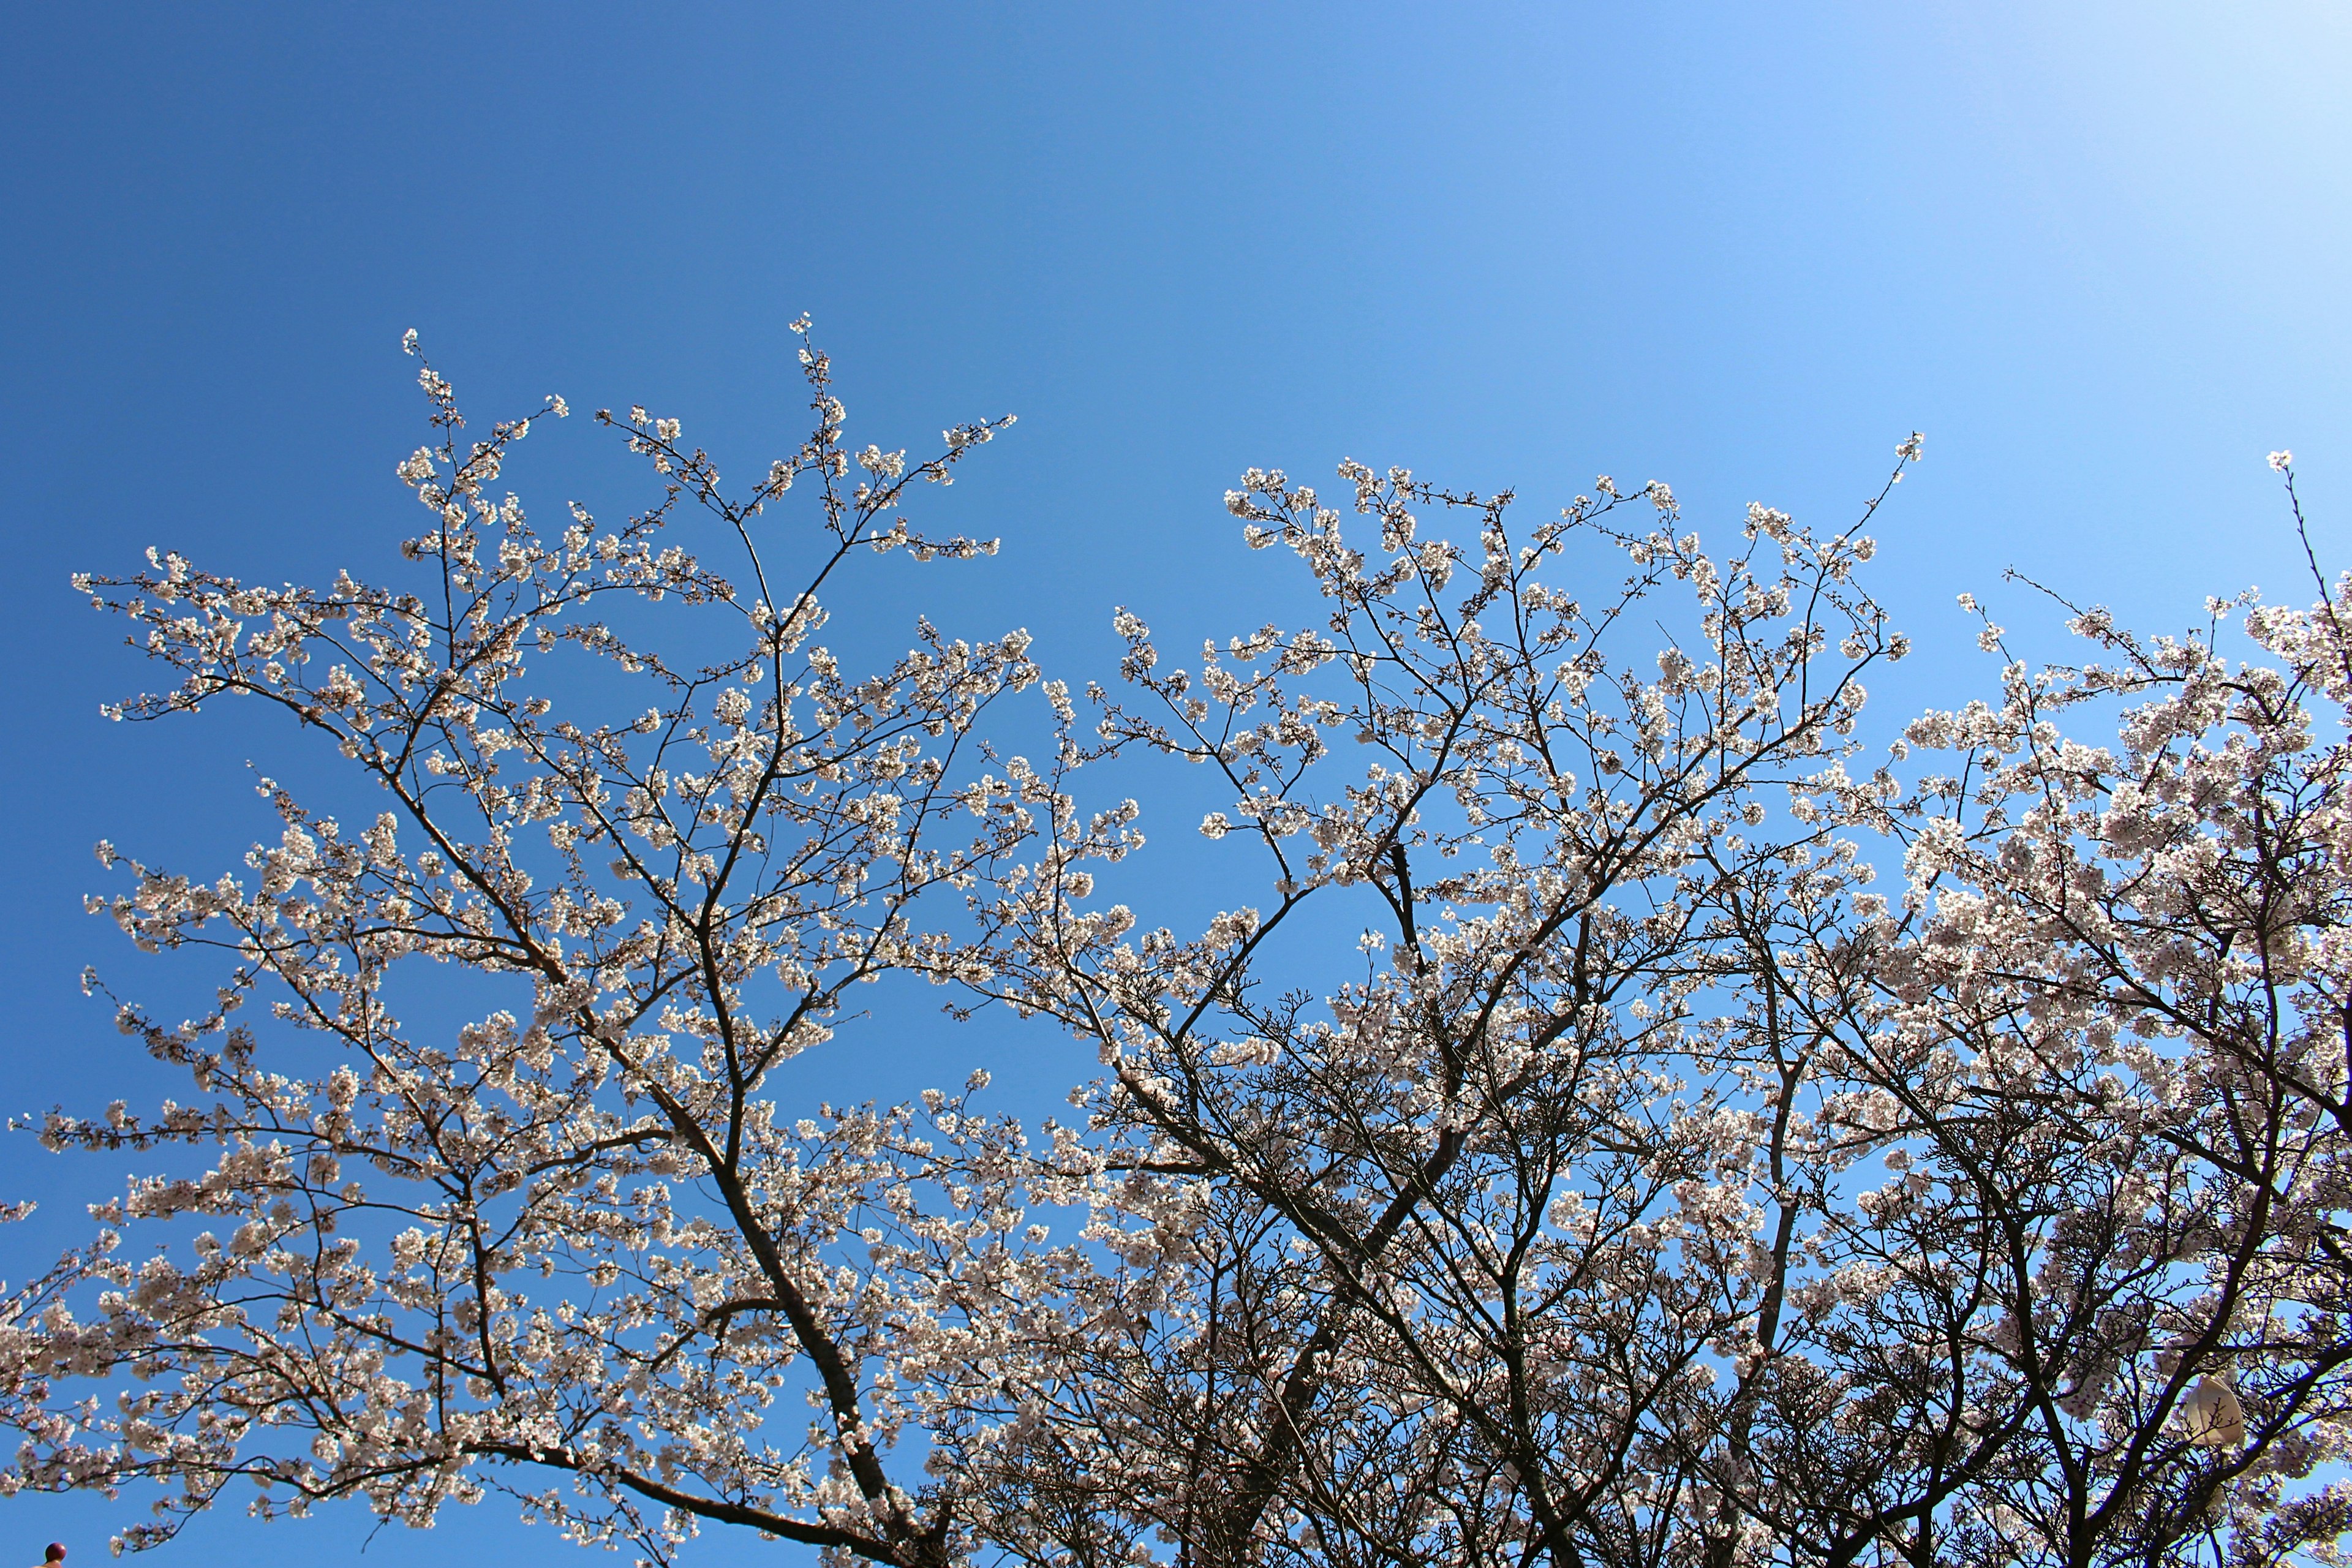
2096	252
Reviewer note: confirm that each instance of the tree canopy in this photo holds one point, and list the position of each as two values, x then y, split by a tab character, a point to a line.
1647	1185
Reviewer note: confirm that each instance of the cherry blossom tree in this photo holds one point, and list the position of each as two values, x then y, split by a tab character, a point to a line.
573	1238
1560	1150
1655	1191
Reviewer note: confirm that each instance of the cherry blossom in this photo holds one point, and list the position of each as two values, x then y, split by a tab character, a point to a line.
1560	1146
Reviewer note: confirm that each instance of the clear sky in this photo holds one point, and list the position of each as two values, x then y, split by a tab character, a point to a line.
2096	252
